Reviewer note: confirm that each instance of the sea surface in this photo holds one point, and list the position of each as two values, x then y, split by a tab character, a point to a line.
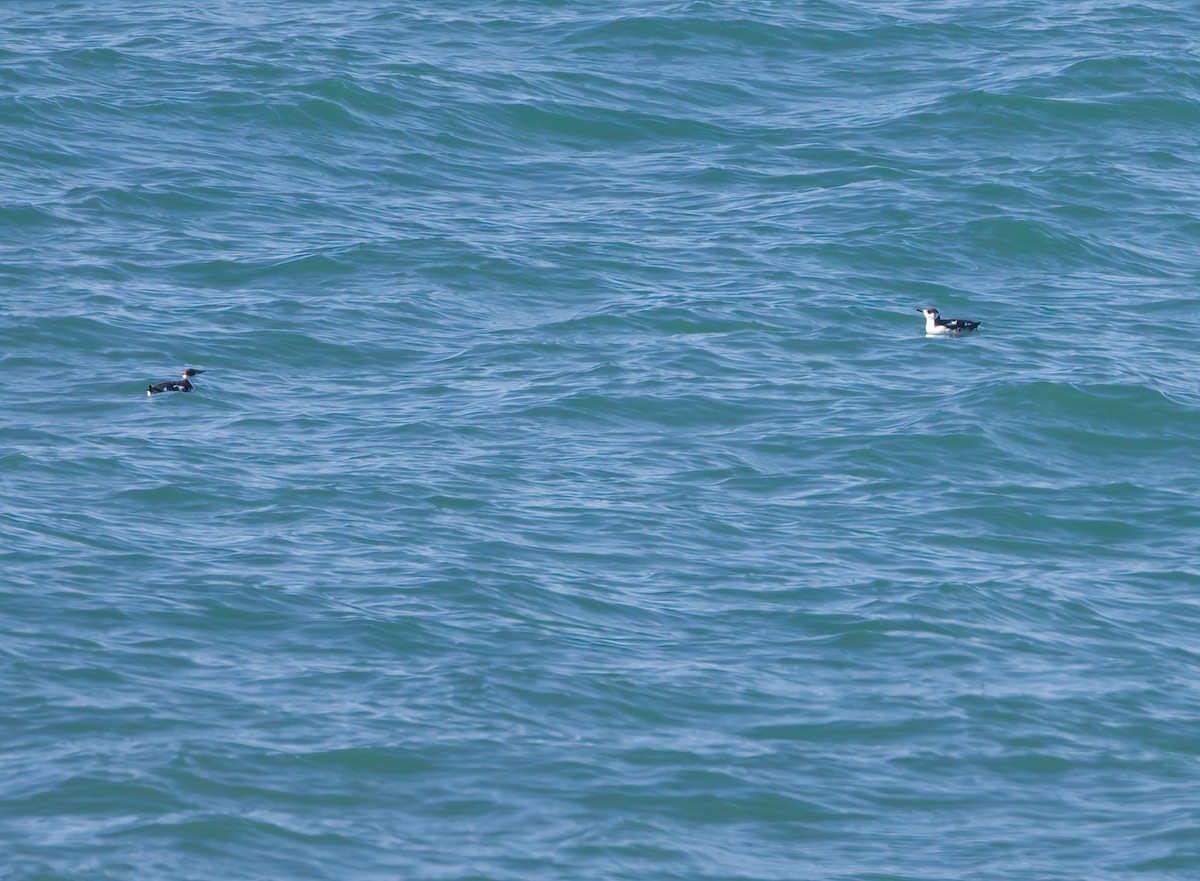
571	493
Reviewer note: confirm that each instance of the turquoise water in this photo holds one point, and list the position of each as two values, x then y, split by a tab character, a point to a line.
571	492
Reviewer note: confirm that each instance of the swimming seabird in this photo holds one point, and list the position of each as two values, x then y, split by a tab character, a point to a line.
183	384
936	325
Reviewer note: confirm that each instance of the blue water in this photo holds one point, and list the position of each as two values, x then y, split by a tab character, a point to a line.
571	491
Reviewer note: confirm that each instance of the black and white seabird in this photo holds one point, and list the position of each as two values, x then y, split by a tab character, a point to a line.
936	325
183	384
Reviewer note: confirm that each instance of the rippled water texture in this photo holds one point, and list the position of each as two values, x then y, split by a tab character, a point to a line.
571	492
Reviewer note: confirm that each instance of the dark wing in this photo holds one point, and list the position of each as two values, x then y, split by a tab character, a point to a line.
171	385
961	324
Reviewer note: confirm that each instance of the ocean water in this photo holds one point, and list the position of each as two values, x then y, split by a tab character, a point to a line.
571	492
